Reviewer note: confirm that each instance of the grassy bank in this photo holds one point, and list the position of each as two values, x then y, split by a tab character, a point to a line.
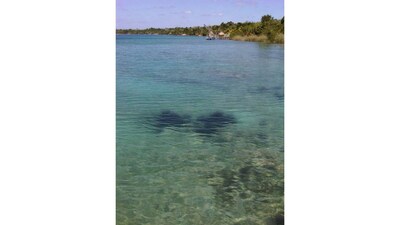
278	39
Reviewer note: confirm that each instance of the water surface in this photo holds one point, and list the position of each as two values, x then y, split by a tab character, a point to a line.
199	131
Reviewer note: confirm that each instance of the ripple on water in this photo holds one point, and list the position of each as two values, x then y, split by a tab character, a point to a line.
199	129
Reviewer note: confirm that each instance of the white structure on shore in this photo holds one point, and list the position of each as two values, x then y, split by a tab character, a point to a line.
222	35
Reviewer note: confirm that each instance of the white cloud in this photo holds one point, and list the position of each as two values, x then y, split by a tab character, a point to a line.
188	12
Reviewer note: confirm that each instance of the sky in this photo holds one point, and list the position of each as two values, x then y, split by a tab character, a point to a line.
140	14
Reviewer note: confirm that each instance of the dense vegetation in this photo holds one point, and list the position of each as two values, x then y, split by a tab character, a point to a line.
268	30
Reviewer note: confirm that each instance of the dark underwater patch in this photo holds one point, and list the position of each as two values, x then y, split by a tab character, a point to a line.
277	91
212	123
279	94
276	220
262	89
168	118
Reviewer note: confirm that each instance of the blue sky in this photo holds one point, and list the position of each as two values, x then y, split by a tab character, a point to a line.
185	13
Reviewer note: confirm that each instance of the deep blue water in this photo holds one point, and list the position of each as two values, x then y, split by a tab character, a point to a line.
199	131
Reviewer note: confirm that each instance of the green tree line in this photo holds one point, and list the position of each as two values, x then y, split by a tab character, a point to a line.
268	29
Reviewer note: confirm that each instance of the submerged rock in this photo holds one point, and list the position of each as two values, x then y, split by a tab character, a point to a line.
276	220
210	124
257	179
229	188
168	118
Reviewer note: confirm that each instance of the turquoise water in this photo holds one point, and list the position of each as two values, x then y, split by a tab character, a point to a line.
199	131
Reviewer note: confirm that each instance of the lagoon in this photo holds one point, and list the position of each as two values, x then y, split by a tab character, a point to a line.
200	131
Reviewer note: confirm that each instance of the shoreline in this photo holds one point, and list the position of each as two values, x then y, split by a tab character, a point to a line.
250	38
266	30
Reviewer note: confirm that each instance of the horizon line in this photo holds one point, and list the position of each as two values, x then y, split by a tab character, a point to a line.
187	26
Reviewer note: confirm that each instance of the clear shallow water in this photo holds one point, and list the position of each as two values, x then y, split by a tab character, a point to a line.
199	131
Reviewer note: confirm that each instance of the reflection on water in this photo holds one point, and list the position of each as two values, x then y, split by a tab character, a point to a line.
199	131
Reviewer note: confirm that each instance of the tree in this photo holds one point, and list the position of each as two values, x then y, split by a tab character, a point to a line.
266	19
